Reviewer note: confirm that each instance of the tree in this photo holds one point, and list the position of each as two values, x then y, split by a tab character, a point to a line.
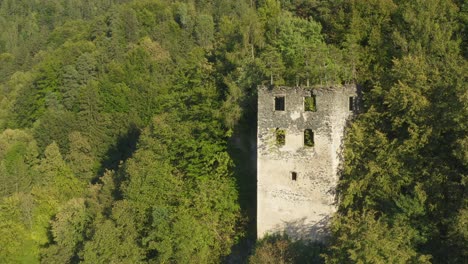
57	176
81	157
114	240
18	157
370	239
204	31
68	231
192	206
16	242
279	248
272	64
400	166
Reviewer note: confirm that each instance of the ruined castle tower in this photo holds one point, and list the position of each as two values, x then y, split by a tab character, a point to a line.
299	146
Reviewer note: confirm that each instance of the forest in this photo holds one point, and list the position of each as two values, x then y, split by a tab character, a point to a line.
126	128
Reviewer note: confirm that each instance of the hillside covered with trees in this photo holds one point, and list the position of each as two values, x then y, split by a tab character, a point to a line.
127	127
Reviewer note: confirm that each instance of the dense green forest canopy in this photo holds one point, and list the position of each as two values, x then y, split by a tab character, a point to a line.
120	123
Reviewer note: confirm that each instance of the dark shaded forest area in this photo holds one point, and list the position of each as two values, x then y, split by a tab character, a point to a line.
126	127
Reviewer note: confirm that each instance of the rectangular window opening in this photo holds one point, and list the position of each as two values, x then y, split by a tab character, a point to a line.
294	176
351	103
309	103
280	137
279	103
308	138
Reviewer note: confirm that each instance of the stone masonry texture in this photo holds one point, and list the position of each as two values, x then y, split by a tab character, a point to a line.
300	207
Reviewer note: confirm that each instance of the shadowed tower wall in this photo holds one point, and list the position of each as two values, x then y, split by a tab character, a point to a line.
297	177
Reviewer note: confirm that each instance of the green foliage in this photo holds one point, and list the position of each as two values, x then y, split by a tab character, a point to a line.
363	239
204	30
80	157
309	104
272	250
114	240
68	229
280	249
280	137
193	205
402	182
18	157
115	117
57	175
309	138
16	241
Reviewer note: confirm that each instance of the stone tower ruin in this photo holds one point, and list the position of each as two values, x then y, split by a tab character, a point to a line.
299	151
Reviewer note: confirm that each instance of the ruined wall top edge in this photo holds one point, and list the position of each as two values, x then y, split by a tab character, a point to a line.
348	87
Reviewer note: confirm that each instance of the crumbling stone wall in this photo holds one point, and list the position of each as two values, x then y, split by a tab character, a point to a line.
301	207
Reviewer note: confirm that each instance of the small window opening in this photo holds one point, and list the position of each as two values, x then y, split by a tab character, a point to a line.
280	137
294	176
308	138
309	103
279	103
351	103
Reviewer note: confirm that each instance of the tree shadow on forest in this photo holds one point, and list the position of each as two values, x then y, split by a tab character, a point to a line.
116	155
242	148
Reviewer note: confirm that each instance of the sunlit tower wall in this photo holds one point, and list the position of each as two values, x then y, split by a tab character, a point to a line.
299	153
